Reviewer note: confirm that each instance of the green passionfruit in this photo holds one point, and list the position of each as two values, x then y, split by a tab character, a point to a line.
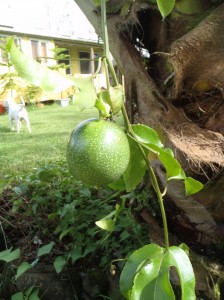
98	152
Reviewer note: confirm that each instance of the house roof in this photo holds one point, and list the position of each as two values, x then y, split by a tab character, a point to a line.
61	19
62	41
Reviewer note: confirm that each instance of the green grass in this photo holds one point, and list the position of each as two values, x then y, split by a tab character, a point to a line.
51	128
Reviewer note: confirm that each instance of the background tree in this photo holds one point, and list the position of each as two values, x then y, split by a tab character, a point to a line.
173	73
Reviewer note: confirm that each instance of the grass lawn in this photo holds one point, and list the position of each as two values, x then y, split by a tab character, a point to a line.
51	128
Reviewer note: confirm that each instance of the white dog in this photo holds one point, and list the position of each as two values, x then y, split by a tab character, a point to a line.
17	112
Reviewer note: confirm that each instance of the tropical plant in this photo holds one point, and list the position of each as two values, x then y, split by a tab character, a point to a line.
59	54
149	267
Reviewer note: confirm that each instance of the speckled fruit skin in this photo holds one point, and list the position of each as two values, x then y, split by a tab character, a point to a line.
98	152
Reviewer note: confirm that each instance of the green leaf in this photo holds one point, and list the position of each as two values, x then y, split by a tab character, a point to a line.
102	104
66	232
192	186
45	176
90	248
152	281
172	166
136	168
9	255
76	254
118	185
97	2
178	258
147	135
23	267
185	248
116	98
34	295
59	264
29	291
46	249
125	8
134	264
35	73
165	7
150	276
17	296
106	224
86	96
110	100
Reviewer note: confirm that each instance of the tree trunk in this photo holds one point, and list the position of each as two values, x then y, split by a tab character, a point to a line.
179	92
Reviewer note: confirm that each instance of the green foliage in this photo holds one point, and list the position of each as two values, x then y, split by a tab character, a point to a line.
147	271
35	73
112	99
108	222
63	214
9	255
86	96
58	54
136	168
30	294
165	7
46	249
102	104
59	263
150	142
22	268
32	93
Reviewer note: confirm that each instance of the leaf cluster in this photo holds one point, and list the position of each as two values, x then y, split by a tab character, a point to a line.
146	274
58	216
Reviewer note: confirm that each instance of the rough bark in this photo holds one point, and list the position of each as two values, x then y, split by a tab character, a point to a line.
205	63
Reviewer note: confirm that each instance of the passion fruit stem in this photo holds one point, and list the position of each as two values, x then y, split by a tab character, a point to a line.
160	198
130	132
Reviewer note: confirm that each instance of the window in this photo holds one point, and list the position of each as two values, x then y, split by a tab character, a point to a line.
44	51
84	62
18	42
34	47
88	66
65	61
39	51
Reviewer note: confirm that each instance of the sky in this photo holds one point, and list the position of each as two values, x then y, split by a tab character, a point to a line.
51	17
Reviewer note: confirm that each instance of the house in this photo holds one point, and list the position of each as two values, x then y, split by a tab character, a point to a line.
62	26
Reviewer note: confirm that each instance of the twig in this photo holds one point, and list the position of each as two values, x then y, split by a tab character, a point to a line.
3	232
